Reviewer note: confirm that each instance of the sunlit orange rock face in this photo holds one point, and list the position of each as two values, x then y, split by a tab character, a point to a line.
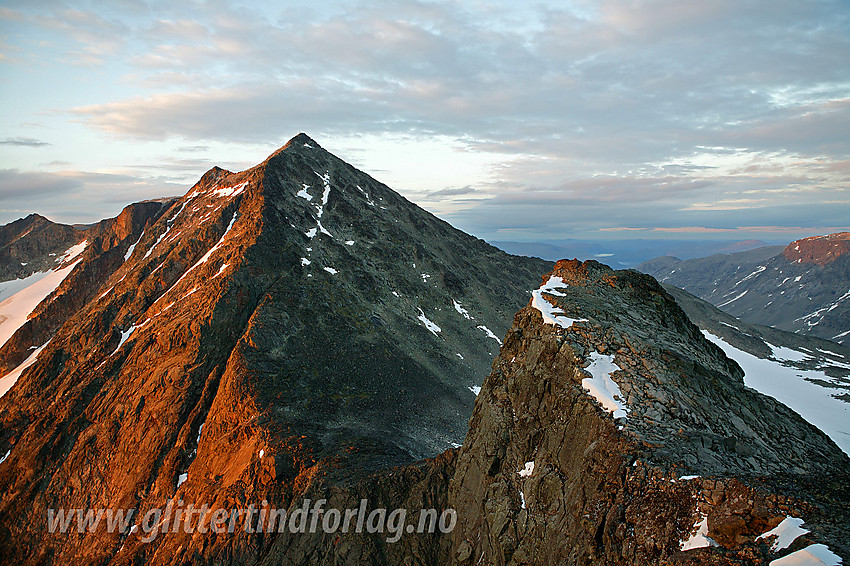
820	250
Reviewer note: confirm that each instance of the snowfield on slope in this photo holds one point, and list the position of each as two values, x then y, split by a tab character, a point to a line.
8	380
798	389
15	310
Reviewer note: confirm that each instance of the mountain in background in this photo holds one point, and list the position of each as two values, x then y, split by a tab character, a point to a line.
36	258
624	253
802	288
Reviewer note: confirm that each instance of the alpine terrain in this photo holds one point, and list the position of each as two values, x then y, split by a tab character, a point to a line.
803	288
298	332
295	320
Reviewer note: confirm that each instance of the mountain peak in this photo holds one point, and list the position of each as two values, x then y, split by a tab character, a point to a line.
576	271
820	250
302	139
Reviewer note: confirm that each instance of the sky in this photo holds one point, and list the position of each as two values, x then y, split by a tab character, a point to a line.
725	119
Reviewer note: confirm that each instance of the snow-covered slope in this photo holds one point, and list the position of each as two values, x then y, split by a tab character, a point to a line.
811	393
807	374
15	310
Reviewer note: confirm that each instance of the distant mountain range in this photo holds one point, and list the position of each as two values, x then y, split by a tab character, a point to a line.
627	252
802	288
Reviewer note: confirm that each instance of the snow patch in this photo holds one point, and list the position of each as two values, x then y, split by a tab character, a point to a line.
182	478
304	194
231	191
758	270
320	208
349	242
125	335
700	538
547	309
604	389
461	310
133	247
733	300
814	555
153	247
15	310
785	532
798	389
3	459
331	270
9	288
73	252
211	251
489	333
8	380
369	201
433	328
475	389
784	354
527	470
305	261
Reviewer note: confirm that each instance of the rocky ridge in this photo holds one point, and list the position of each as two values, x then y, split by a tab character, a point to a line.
300	331
820	250
547	475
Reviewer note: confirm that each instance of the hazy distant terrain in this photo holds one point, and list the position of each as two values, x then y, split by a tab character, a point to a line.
626	253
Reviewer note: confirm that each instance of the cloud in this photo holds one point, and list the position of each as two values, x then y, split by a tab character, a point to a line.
18	184
85	195
625	114
26	142
444	194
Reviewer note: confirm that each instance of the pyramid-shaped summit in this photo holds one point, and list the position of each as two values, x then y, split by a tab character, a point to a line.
292	323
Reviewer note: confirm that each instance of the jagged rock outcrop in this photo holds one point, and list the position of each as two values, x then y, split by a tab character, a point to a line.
548	476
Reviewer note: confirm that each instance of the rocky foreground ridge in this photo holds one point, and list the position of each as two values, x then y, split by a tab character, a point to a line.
547	474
